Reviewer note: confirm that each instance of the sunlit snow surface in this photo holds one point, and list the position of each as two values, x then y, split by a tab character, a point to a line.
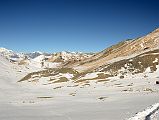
115	99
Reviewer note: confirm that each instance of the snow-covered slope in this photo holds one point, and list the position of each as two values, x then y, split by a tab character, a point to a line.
41	86
150	113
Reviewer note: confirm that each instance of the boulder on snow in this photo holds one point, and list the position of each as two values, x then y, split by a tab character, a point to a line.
157	82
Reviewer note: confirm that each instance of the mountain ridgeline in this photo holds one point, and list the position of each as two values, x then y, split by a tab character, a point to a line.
127	58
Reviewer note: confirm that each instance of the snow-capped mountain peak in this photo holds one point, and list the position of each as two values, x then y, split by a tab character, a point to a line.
5	51
11	55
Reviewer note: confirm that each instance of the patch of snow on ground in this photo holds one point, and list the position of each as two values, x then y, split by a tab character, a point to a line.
90	75
68	75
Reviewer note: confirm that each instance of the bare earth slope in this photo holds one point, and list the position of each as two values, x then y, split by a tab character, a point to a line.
123	49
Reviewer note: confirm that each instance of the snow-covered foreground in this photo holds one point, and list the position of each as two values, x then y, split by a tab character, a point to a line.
150	113
114	99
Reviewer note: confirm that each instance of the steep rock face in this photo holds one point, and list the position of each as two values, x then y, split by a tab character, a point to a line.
123	49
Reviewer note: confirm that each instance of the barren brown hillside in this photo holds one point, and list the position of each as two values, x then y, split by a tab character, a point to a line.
122	49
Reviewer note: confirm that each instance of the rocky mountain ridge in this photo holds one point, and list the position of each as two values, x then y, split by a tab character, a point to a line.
122	49
62	58
127	58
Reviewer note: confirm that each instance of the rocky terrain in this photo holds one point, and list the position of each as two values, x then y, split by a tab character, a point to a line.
127	58
71	85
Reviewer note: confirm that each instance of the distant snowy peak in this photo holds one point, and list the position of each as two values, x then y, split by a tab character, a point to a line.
75	53
33	54
4	51
66	56
38	56
11	55
15	57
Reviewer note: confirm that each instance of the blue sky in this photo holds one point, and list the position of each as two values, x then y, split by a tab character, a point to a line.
74	25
